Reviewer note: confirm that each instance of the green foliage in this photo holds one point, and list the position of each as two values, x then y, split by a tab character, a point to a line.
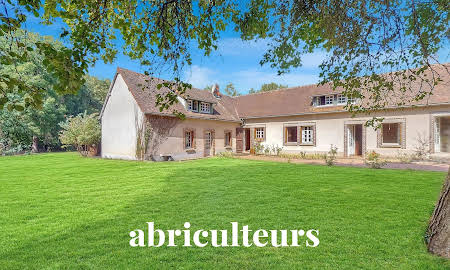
362	39
230	90
20	123
81	131
374	161
267	87
330	157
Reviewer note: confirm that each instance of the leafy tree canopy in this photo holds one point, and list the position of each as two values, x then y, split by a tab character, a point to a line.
230	90
267	87
362	38
23	126
81	131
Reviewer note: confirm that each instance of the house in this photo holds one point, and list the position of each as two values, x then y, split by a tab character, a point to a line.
299	119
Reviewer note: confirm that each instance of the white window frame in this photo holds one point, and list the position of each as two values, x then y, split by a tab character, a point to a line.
205	107
341	99
329	100
259	133
307	135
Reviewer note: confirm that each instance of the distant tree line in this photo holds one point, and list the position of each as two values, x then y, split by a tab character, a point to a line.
28	128
231	90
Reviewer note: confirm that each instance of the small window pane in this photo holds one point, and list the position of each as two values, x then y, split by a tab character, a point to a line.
307	135
260	133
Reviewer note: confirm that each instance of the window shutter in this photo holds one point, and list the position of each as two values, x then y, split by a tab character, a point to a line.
193	139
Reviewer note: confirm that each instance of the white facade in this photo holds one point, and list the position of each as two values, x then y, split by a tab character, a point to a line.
333	129
120	118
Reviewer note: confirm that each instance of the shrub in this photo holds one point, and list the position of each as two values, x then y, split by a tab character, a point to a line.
330	157
225	154
258	148
82	131
404	157
374	161
422	148
278	150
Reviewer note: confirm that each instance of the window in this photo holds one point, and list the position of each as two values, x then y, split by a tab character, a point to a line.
329	100
352	100
341	99
189	139
228	138
307	135
192	105
290	134
259	133
391	133
205	107
326	100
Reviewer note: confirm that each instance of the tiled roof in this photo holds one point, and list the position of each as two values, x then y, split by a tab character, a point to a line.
298	100
282	102
144	90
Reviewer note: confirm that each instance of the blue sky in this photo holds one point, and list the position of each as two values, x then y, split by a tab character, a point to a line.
235	61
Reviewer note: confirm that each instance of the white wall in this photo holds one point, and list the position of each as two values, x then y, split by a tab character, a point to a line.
119	123
330	129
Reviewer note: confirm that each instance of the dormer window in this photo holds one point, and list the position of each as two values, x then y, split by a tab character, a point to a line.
199	106
330	100
205	107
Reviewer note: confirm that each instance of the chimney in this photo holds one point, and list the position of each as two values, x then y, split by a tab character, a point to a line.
215	91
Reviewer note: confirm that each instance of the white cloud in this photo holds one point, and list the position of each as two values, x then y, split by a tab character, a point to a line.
199	77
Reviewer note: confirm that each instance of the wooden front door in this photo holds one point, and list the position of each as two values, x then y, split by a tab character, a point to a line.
239	140
209	143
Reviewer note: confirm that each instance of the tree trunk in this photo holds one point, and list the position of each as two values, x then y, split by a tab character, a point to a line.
438	233
35	146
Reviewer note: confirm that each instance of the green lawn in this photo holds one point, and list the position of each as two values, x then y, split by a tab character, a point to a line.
64	211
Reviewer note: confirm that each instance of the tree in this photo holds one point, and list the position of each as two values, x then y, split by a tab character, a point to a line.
271	86
31	128
208	87
437	235
82	131
231	90
364	39
267	87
